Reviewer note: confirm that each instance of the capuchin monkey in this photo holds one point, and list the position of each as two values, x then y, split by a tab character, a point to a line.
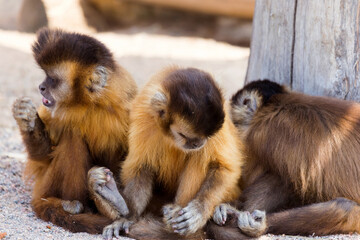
302	167
83	122
182	142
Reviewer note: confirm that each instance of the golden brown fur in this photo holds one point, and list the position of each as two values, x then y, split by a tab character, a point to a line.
200	178
300	150
85	124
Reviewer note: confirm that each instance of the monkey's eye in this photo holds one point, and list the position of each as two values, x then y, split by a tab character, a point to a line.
52	82
182	135
161	113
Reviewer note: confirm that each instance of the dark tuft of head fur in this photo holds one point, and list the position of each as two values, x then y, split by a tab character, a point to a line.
54	46
265	88
195	96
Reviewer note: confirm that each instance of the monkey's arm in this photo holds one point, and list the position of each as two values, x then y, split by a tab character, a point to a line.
218	184
265	195
103	190
32	129
137	192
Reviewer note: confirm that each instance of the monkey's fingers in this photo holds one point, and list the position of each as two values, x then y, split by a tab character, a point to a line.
108	232
170	211
24	113
181	218
258	215
253	224
190	219
116	227
220	214
97	177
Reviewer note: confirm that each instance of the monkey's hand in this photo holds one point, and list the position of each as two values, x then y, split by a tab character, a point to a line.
73	207
102	181
25	114
222	212
253	224
114	229
188	220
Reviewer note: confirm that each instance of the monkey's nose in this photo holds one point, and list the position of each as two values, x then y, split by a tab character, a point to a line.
195	144
42	87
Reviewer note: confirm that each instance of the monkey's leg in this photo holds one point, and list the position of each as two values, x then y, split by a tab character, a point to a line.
32	129
266	194
67	214
217	183
105	193
138	192
340	215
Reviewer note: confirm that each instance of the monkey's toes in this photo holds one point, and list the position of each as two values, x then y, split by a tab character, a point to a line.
73	207
253	224
116	227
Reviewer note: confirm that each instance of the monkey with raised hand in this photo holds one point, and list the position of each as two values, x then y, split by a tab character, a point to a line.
181	139
83	123
302	165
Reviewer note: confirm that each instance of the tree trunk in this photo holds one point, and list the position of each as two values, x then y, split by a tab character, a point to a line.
311	46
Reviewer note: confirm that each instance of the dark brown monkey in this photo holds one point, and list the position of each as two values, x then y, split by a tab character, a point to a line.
302	166
182	140
83	122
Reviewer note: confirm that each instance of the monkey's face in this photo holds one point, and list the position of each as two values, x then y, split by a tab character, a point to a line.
76	67
188	106
69	84
56	88
184	137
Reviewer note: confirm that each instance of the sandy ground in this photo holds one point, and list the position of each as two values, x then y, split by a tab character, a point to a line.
142	55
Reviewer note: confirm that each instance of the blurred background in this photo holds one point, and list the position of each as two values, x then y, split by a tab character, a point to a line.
144	35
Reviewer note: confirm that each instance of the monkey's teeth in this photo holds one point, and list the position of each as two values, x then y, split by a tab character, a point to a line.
46	101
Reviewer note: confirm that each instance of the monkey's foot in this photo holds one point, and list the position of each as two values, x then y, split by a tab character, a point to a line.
188	220
25	114
116	227
73	207
101	180
253	224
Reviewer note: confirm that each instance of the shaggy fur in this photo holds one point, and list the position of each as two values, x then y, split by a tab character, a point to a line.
88	125
200	179
300	150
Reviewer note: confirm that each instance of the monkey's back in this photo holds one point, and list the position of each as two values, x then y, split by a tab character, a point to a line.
313	142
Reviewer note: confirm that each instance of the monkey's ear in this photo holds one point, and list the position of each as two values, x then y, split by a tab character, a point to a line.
250	100
158	103
98	79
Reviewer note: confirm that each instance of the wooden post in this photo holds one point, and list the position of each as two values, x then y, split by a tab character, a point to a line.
311	46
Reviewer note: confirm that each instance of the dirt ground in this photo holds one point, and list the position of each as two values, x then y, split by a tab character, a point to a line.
142	54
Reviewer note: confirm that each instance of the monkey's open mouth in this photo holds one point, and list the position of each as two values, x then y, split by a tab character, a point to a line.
47	102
